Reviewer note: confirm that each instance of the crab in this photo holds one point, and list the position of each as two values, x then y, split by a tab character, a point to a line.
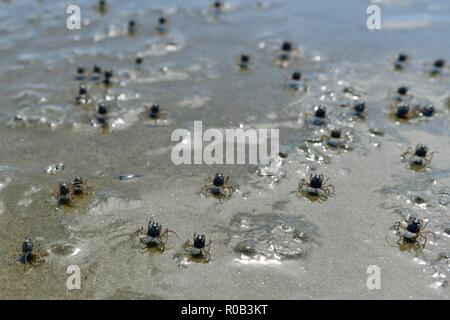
132	27
216	8
218	187
438	67
218	5
319	117
401	61
244	62
83	96
402	95
419	157
31	254
102	114
316	187
153	237
336	140
359	110
63	193
102	6
427	110
79	186
295	82
198	249
80	76
403	112
286	51
162	26
412	231
108	77
155	113
96	72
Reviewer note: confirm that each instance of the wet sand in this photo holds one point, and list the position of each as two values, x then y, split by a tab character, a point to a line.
306	250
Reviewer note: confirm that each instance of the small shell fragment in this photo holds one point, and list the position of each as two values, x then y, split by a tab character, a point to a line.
126	177
377	131
54	168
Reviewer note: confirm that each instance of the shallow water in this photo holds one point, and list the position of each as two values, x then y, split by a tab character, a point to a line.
268	242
